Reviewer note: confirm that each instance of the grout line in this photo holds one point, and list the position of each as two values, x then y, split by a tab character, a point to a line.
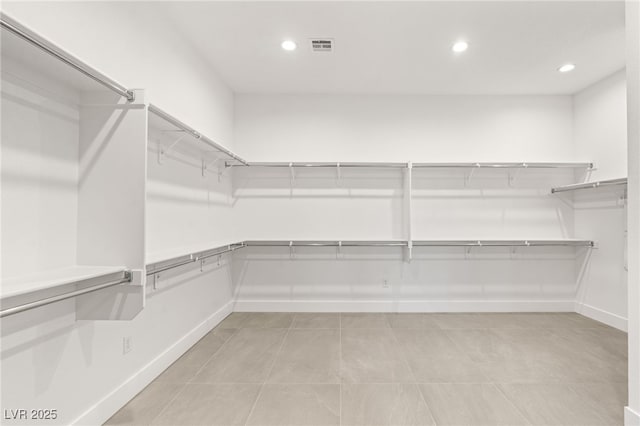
426	404
513	404
233	334
401	352
340	366
415	380
164	408
275	359
420	382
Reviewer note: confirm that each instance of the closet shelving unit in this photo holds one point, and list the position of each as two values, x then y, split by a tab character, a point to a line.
337	243
25	291
43	288
410	168
503	243
403	165
590	185
171	137
182	130
422	243
160	265
312	164
503	165
62	177
175	262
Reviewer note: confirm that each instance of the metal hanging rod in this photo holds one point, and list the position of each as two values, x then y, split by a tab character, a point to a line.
290	243
171	119
502	243
425	243
194	257
589	185
322	165
416	165
190	258
32	37
126	278
505	165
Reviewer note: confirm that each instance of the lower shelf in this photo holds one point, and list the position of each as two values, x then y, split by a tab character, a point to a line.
31	291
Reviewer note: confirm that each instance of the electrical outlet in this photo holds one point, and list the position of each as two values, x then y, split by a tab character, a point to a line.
385	284
127	345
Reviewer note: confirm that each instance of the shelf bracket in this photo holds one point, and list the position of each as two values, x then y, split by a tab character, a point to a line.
156	281
467	251
339	250
467	179
512	176
291	252
292	174
162	151
338	174
206	165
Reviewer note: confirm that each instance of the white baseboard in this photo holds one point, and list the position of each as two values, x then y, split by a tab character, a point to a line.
631	418
402	306
111	403
605	317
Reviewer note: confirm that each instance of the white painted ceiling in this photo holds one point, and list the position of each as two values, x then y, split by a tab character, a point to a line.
405	47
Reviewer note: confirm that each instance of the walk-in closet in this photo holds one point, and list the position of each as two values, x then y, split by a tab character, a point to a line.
320	213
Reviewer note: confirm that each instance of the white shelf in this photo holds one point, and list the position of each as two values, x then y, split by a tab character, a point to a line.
422	243
41	288
326	243
37	53
50	279
497	165
162	121
504	243
590	185
184	251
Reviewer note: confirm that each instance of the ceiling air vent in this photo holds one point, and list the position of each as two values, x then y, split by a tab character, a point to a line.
322	44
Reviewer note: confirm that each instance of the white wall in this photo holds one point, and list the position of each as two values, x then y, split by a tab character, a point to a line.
600	133
600	126
403	128
146	51
369	204
39	175
186	211
632	413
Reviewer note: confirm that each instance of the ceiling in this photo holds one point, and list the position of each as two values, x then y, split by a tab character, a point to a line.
405	47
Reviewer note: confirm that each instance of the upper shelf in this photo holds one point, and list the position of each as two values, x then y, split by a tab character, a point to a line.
58	63
181	126
311	164
396	165
590	185
533	165
425	243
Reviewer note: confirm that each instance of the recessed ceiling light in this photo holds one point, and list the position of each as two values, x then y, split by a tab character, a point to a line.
567	68
289	45
460	46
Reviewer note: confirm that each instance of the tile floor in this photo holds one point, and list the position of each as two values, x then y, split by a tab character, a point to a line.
393	369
